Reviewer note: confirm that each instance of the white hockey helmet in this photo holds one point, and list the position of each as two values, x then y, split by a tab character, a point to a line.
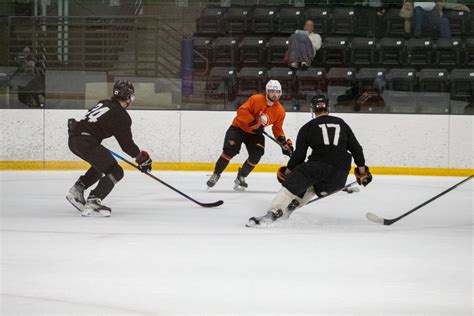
273	85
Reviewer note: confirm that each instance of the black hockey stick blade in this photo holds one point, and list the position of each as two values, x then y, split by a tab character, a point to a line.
213	204
384	221
273	138
324	196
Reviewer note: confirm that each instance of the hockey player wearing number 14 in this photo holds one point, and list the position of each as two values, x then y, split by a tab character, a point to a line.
333	145
108	118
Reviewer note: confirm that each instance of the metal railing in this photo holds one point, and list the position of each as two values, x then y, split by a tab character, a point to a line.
106	43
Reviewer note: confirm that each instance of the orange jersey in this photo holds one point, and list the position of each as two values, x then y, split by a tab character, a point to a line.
250	111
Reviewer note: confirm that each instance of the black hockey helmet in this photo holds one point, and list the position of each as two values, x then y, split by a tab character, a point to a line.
319	103
123	90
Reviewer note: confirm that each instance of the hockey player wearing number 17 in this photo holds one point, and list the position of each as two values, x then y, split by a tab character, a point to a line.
258	112
108	118
333	145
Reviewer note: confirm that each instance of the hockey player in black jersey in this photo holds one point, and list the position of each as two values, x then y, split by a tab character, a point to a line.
108	118
333	146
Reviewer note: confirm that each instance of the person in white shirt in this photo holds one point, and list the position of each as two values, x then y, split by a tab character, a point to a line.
300	55
314	37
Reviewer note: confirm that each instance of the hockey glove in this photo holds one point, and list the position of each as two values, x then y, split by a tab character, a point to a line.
283	173
144	161
256	127
258	124
363	177
286	146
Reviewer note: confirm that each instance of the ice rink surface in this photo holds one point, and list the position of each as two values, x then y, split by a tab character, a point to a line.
160	254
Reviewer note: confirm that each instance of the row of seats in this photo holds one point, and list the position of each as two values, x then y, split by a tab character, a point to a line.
228	82
327	20
336	51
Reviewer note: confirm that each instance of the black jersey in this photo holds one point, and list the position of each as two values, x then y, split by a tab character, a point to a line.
331	140
108	118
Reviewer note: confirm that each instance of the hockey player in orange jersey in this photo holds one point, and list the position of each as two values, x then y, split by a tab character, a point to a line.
259	111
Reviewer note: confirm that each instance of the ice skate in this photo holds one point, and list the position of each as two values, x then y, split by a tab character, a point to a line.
239	183
93	207
76	196
213	180
266	219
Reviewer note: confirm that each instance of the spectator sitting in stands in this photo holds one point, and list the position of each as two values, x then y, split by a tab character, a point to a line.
426	17
302	46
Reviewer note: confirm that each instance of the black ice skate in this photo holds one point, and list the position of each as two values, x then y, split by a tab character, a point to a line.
93	207
266	219
213	180
240	184
76	196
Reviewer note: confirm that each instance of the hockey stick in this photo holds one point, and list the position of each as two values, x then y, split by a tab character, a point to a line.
273	138
341	189
214	204
383	221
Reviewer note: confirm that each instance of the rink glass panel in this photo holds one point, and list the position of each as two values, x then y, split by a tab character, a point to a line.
190	55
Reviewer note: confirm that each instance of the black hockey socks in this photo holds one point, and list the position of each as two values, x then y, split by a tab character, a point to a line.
247	167
222	163
107	182
92	176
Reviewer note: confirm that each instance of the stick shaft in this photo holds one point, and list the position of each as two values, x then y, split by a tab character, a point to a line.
166	184
273	138
322	197
391	221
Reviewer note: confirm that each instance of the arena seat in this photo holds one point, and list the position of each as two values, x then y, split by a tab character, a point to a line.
277	47
420	52
253	51
310	81
469	52
335	51
290	19
211	21
251	80
391	51
363	51
264	20
458	21
237	20
226	51
448	52
221	83
343	20
394	24
400	97
433	96
462	83
321	17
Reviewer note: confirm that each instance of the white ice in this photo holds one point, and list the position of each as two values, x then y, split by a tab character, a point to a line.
163	255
